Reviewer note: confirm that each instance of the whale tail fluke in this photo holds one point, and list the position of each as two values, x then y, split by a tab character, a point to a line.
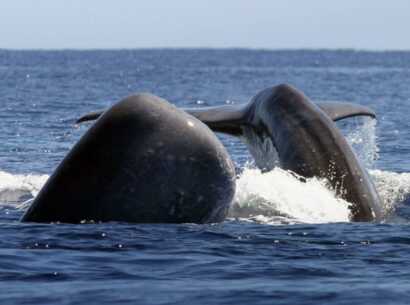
90	116
229	118
338	111
226	119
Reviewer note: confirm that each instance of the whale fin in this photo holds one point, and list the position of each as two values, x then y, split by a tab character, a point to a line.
338	111
90	116
227	118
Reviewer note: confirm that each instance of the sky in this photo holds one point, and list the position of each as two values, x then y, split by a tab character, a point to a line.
260	24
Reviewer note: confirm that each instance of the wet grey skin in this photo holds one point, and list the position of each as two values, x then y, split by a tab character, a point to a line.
143	161
281	123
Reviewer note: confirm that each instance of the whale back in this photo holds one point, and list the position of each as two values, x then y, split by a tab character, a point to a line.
144	160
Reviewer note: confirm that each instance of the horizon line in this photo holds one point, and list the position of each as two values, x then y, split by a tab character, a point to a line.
313	49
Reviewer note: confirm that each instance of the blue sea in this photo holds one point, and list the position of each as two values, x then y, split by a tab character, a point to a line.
285	241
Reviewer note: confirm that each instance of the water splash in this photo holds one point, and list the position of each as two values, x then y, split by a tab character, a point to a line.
279	197
275	197
393	188
18	188
361	134
278	193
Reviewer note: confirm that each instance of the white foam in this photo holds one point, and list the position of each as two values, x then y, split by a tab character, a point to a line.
392	187
278	196
18	188
265	196
274	197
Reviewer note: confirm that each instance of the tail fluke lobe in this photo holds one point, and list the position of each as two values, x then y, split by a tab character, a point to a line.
339	111
227	118
90	116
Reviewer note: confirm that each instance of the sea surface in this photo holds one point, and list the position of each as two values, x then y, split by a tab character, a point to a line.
285	242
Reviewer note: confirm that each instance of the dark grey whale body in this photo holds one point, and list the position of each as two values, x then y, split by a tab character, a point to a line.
306	140
281	121
143	161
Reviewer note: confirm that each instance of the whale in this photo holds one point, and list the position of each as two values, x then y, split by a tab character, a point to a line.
142	161
281	124
282	127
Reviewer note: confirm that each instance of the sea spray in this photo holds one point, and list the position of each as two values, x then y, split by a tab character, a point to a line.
360	132
281	193
19	188
393	188
274	197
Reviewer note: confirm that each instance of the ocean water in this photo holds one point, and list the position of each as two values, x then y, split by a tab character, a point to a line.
285	242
